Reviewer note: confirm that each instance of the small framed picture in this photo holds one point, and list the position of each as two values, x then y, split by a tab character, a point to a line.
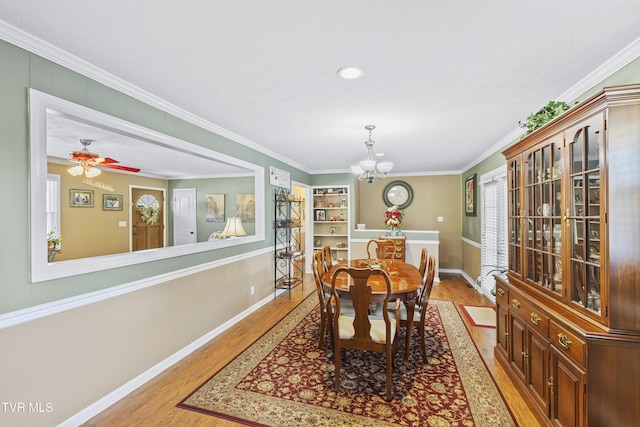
343	203
111	202
81	198
470	195
320	215
332	230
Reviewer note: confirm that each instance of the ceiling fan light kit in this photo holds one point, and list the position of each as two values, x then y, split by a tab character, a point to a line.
368	169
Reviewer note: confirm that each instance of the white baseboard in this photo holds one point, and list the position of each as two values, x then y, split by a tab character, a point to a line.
119	393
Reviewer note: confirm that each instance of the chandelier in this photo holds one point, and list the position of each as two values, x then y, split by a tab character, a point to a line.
369	169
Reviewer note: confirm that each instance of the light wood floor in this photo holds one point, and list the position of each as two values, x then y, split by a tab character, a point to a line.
154	404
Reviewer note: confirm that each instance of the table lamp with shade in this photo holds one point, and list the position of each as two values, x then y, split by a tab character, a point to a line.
233	228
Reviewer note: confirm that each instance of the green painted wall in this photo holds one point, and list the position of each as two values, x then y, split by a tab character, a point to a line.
21	70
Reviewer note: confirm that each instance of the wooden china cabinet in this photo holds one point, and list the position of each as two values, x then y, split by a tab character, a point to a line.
568	330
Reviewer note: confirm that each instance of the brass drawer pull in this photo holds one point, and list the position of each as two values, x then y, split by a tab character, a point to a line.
564	341
515	303
535	318
500	292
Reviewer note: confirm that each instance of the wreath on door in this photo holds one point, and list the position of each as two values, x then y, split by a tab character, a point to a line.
149	209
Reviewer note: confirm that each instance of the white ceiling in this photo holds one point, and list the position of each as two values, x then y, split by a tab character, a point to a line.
444	81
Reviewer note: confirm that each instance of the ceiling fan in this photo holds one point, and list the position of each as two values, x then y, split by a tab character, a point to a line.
87	162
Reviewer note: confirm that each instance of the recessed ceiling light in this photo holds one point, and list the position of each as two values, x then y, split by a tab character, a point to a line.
350	72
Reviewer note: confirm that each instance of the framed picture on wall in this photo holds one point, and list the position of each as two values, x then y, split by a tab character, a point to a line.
214	204
81	198
246	207
470	195
111	202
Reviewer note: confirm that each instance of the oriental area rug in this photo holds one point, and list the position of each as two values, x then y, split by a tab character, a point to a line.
283	379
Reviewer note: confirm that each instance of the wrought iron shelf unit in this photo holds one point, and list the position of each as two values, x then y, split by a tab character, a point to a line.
288	240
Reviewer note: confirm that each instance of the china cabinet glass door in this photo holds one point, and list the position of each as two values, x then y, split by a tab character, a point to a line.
543	216
585	216
515	217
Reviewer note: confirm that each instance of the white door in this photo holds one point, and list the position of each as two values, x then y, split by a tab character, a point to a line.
184	216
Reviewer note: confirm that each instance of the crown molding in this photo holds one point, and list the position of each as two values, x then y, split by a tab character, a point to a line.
627	55
42	48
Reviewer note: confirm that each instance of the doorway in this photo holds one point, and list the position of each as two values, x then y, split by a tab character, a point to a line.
147	218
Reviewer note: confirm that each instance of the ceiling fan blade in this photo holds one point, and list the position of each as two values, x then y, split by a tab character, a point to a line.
119	167
83	155
105	160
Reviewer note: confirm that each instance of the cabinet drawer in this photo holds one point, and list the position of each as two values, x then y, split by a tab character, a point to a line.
568	342
535	318
502	294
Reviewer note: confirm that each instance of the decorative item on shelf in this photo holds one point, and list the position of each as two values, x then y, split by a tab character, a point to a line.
340	244
369	169
393	219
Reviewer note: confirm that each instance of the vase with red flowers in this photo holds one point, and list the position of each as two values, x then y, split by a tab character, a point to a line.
393	219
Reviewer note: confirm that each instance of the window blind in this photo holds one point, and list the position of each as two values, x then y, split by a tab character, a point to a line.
53	204
494	229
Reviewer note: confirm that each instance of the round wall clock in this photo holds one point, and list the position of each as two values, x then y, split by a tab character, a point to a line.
398	193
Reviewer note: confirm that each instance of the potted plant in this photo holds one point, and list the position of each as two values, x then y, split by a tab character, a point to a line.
550	111
53	241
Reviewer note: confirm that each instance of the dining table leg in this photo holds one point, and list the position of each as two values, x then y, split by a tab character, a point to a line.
410	304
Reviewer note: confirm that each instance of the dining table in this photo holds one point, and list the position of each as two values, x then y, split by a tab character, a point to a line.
405	281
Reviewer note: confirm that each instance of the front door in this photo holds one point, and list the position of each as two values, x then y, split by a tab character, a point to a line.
147	219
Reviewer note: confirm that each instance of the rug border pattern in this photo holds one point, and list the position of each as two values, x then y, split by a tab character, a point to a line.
460	342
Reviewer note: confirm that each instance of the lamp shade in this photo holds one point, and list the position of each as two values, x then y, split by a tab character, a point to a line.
76	170
233	227
385	167
356	169
92	172
367	165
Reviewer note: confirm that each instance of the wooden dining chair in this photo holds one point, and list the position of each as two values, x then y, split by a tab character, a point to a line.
420	313
361	330
328	261
318	268
381	249
424	256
